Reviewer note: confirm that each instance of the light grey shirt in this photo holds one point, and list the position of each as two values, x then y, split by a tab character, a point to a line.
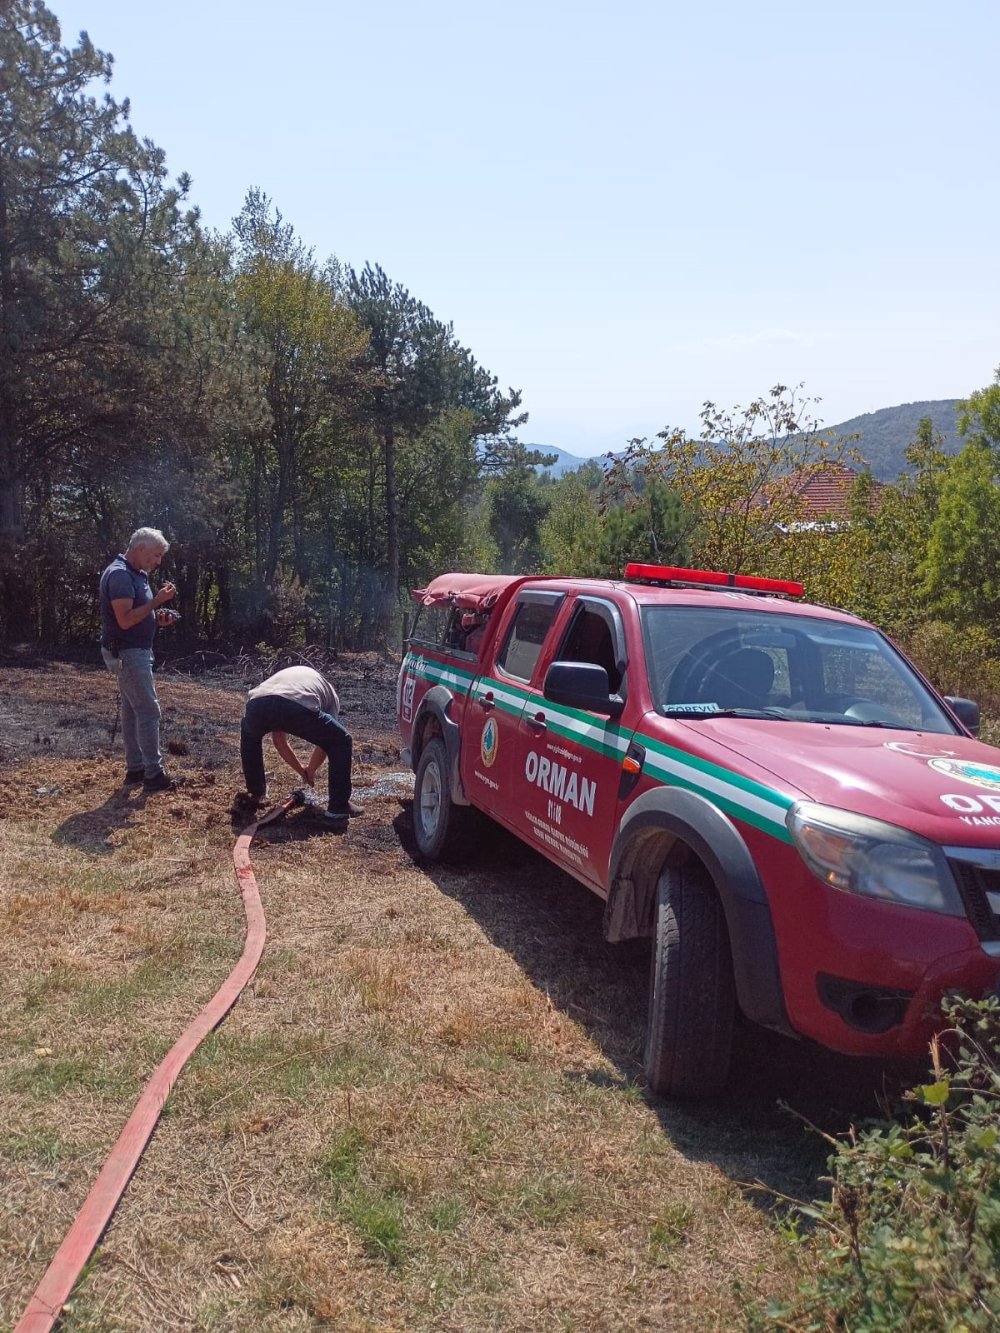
303	685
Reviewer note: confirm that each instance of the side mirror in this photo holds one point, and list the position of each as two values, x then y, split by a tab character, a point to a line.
582	685
966	710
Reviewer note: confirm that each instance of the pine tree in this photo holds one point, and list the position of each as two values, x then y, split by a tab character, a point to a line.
83	205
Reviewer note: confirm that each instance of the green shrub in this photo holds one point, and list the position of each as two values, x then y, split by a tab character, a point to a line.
910	1238
958	661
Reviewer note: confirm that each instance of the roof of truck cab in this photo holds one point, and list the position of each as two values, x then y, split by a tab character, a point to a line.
482	592
472	592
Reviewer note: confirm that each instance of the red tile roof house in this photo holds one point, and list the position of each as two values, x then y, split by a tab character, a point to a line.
824	493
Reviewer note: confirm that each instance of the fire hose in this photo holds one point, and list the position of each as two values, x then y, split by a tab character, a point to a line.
51	1294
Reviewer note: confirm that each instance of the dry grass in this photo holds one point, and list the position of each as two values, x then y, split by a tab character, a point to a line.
425	1113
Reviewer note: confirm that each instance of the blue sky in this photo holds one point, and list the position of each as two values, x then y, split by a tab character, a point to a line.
623	209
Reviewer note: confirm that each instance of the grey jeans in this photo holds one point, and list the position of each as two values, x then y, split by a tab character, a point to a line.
133	670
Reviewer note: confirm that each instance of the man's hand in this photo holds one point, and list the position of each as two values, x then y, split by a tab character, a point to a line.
164	595
316	762
288	754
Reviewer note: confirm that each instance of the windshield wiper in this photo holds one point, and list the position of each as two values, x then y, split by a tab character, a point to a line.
678	710
870	722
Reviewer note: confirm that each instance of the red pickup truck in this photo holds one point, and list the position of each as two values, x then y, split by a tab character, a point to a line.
768	789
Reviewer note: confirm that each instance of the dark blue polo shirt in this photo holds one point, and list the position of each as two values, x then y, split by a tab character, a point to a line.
120	580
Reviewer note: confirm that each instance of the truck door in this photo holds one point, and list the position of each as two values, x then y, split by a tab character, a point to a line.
568	762
496	701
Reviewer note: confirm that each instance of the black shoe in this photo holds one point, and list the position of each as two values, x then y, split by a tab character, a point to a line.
134	775
352	811
161	782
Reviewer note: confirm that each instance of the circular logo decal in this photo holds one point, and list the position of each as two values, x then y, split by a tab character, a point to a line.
920	752
490	739
984	776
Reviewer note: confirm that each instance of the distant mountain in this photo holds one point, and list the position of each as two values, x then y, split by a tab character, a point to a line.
885	434
564	462
883	437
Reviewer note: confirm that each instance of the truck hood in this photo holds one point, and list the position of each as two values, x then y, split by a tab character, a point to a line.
946	788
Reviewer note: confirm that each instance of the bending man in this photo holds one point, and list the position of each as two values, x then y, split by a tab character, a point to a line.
298	701
129	616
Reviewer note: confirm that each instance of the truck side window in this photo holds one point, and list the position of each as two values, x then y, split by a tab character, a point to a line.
432	625
589	640
525	637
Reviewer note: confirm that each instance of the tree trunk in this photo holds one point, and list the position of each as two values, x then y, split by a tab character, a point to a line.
11	484
390	583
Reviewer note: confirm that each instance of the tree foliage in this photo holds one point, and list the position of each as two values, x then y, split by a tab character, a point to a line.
517	504
308	437
419	372
90	241
570	533
733	480
962	564
303	347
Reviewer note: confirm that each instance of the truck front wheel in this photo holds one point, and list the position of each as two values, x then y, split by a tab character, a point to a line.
692	999
437	822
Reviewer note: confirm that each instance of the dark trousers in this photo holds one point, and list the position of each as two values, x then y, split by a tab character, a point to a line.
272	712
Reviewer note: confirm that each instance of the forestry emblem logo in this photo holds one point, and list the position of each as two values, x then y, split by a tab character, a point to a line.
489	743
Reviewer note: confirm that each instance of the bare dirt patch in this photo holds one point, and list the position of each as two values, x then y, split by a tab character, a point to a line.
427	1110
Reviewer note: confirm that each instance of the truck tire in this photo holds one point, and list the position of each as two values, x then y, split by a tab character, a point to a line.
692	996
438	824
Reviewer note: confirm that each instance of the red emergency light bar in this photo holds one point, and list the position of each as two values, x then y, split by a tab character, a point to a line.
670	576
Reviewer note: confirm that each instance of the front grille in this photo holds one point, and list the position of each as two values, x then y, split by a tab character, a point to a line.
977	874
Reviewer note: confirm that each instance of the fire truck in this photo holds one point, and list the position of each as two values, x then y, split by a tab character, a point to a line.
769	790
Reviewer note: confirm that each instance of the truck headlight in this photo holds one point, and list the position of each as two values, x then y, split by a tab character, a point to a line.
865	856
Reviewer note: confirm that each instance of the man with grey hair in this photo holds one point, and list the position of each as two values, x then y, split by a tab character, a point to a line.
130	614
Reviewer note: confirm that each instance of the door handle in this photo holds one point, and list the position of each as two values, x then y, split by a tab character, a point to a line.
487	702
538	723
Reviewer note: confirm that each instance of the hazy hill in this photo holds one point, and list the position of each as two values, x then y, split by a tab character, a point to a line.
564	462
885	434
883	437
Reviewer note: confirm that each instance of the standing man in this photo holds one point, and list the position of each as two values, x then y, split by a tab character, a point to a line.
129	616
300	702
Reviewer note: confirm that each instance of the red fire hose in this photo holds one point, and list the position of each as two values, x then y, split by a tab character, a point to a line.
57	1282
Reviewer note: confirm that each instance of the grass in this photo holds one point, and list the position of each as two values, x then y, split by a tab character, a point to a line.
426	1112
40	1145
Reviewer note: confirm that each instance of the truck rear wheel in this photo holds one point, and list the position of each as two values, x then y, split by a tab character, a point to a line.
692	998
437	822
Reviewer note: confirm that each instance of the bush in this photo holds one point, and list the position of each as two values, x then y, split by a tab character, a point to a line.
958	661
910	1238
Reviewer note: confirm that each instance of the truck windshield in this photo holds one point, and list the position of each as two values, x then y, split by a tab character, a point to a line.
745	662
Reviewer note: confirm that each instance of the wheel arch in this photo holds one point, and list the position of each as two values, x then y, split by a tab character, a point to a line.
434	718
668	826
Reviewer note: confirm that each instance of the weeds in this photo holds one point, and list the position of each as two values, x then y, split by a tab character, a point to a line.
375	1214
48	1078
445	1215
908	1241
668	1233
40	1145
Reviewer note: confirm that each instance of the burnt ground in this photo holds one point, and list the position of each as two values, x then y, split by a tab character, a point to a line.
65	712
59	740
